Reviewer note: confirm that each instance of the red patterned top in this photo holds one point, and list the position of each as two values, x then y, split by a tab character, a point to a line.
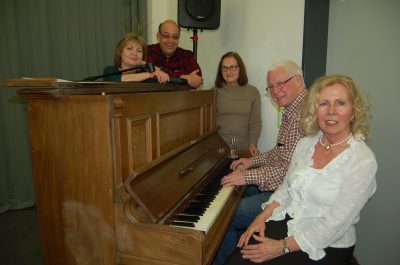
182	62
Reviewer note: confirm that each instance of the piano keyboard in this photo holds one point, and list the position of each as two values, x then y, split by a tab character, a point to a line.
205	207
212	211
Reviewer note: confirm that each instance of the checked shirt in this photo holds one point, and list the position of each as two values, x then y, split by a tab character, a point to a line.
272	165
182	62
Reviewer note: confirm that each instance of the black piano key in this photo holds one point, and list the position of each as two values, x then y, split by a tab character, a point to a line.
210	192
193	211
196	207
189	218
203	196
199	204
186	224
206	198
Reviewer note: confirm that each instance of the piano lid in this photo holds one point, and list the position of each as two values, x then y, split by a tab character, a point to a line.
53	88
159	188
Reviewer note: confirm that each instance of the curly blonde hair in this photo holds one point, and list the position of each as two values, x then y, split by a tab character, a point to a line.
361	106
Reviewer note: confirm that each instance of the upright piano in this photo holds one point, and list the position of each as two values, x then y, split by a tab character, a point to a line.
127	173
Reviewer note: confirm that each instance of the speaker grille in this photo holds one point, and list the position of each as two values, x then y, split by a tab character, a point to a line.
199	14
199	10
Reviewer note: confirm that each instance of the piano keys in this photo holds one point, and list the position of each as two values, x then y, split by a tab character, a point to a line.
114	164
204	219
211	223
206	205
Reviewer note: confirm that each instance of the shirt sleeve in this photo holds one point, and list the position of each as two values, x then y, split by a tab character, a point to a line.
274	163
109	70
267	178
358	186
191	64
281	195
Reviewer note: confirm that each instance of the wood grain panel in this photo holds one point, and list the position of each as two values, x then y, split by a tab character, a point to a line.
87	140
171	114
174	128
139	140
71	160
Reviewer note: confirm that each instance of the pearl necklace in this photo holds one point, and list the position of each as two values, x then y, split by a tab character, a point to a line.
328	146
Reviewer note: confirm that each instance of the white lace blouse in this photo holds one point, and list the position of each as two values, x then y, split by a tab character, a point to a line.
325	203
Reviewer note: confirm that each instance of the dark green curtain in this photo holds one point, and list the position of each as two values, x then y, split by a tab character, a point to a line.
67	39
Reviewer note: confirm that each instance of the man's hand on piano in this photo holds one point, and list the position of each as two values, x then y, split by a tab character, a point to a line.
236	178
246	162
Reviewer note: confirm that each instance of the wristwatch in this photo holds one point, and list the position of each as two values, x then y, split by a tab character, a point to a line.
286	248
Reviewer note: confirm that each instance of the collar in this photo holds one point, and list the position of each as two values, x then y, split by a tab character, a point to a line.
293	108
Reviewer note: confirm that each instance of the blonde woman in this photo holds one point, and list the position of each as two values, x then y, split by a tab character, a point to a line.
311	218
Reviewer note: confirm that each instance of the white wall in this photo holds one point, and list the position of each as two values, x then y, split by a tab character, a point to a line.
262	32
363	42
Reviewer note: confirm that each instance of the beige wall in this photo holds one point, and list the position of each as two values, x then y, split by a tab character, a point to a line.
262	32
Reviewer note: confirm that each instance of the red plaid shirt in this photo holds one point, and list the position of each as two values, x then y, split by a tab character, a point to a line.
182	62
274	163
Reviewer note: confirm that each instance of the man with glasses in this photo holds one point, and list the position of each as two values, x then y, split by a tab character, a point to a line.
172	59
265	172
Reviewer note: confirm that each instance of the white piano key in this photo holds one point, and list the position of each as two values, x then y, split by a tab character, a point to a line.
207	219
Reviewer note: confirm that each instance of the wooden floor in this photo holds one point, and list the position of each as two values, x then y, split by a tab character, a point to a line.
19	238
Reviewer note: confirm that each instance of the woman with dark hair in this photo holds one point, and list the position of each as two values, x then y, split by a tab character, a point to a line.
130	52
238	104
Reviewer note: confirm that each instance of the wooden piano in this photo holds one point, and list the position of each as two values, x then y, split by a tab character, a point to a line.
120	170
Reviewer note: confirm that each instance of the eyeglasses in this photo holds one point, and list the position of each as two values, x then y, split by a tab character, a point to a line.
279	84
231	68
169	36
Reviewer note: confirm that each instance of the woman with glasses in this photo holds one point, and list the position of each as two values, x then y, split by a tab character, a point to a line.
238	104
311	217
130	52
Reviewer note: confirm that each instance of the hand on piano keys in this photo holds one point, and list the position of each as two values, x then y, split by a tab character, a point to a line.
245	163
239	168
236	178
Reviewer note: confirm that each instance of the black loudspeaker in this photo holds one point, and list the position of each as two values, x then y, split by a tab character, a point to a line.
199	14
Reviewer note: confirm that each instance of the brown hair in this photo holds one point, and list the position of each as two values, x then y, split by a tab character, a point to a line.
242	80
121	44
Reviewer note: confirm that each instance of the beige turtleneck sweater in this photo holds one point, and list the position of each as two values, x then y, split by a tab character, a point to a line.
239	114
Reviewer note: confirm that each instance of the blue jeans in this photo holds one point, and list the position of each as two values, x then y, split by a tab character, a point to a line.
249	208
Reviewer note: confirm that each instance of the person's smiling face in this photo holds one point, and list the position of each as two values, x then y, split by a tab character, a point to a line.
132	55
335	112
284	87
168	38
230	71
